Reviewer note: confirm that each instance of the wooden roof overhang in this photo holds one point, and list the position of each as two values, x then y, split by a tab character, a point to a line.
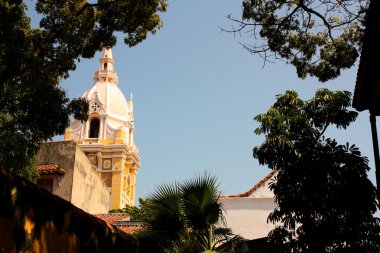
367	89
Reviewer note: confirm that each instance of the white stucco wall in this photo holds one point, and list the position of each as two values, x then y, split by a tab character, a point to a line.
263	191
247	216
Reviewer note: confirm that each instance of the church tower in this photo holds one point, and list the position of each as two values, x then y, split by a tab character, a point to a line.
107	136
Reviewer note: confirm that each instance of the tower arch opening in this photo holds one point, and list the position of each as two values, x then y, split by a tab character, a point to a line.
94	128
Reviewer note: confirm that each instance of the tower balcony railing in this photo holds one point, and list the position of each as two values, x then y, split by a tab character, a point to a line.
91	140
105	73
134	149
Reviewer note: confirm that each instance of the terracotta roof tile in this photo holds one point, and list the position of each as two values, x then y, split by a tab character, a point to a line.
254	188
129	227
121	221
110	218
129	230
50	169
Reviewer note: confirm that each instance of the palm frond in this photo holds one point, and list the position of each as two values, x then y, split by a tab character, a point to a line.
200	199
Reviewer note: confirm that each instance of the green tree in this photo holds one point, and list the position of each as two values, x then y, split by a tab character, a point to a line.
136	213
184	217
325	202
33	61
318	37
188	218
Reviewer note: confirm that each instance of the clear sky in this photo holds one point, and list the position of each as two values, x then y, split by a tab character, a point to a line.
196	91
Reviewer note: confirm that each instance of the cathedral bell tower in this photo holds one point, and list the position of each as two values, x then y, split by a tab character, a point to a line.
107	136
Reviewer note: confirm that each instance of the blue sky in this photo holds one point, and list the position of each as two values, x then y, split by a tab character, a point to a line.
196	91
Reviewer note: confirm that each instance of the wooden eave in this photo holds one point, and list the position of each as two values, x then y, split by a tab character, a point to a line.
367	89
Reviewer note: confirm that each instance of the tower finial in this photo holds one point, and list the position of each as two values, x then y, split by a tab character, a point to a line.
106	72
131	97
107	52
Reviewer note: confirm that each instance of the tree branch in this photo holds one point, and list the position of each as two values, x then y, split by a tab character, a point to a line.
327	24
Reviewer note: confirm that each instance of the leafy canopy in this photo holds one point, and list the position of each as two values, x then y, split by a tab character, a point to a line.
188	218
184	217
33	61
325	201
318	37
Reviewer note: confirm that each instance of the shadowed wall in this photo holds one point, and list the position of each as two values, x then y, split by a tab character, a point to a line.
34	220
81	185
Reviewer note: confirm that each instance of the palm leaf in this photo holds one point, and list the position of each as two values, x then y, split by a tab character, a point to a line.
200	199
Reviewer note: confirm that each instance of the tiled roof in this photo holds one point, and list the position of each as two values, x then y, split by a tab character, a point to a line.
110	218
121	221
254	188
129	227
50	169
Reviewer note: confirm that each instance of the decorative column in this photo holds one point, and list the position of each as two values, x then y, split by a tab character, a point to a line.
99	157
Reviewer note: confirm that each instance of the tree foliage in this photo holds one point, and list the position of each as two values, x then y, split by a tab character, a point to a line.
188	218
318	37
325	201
184	217
136	213
33	61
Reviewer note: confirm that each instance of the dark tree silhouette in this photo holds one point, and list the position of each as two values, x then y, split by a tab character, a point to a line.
318	37
325	202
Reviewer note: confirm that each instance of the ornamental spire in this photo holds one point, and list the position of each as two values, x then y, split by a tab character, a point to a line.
106	72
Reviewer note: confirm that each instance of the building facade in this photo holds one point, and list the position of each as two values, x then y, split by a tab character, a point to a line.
66	172
107	136
247	213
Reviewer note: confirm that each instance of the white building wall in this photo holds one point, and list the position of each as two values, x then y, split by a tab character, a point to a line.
247	216
263	191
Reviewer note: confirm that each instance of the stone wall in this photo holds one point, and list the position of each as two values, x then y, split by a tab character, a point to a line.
80	184
34	220
89	192
62	153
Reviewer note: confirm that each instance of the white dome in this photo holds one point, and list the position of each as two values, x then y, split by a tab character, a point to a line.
110	115
110	97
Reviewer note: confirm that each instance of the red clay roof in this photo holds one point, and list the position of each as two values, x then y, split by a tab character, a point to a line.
110	218
129	227
50	169
254	188
121	221
129	230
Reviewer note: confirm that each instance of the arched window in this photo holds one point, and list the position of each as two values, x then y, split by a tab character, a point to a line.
105	66
94	128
